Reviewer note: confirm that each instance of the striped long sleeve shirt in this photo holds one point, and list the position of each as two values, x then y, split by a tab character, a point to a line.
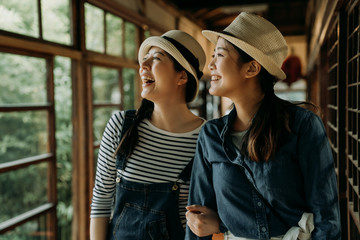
159	156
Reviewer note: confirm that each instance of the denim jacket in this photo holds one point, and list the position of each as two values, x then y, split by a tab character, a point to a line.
299	178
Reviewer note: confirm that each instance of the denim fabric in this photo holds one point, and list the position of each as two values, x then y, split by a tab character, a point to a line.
145	211
299	178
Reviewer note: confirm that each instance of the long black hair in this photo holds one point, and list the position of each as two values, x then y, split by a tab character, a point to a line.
271	122
130	138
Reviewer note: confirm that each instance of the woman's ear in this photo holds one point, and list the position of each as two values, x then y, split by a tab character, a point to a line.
183	78
254	69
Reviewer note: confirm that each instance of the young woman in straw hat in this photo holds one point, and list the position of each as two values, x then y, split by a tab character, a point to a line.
145	157
265	170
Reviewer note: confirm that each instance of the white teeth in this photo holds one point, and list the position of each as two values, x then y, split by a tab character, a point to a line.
147	79
215	78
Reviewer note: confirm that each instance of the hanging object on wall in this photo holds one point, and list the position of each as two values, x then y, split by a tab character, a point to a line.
292	69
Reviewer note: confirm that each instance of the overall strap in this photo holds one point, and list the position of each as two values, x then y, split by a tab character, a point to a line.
128	121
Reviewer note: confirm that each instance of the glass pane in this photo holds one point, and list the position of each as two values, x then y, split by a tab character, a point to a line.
23	190
63	107
106	85
114	35
147	33
129	78
32	230
130	40
20	16
94	28
101	117
56	20
296	96
23	79
23	134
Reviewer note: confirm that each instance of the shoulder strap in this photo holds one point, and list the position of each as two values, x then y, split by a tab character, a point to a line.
129	119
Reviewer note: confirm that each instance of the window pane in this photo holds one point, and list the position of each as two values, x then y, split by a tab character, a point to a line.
19	16
63	107
130	40
114	35
56	20
101	117
129	78
105	85
147	33
32	230
94	28
23	134
27	84
22	190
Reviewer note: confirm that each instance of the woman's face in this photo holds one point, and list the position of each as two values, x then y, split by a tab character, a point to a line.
227	71
158	75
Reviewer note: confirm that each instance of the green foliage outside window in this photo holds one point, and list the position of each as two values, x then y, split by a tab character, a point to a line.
130	41
23	81
22	17
56	20
105	85
24	134
129	78
94	28
114	35
64	132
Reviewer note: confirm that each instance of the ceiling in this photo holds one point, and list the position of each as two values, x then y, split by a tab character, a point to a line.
287	15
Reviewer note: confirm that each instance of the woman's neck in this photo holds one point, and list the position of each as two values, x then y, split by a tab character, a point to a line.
175	118
246	111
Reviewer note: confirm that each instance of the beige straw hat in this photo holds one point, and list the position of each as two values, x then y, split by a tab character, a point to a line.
181	46
259	38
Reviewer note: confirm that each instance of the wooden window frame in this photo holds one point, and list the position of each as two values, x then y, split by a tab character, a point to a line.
49	208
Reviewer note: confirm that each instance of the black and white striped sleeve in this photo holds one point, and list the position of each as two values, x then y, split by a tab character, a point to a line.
104	188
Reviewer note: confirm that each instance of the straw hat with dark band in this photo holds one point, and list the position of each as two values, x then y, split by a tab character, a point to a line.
257	37
181	46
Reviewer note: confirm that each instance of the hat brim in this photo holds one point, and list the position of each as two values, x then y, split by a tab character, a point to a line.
255	53
156	41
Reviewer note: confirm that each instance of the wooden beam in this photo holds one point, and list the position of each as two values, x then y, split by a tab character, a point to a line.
38	46
25	217
21	163
108	60
80	174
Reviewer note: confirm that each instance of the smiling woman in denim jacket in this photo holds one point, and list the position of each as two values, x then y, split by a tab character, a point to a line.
265	170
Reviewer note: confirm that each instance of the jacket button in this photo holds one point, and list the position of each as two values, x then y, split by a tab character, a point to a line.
263	229
259	204
117	179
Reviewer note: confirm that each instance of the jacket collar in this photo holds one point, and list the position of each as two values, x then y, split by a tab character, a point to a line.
227	121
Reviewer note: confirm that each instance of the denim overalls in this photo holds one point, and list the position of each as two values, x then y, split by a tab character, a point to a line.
146	211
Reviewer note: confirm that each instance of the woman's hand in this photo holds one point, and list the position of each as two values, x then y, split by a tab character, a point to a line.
202	220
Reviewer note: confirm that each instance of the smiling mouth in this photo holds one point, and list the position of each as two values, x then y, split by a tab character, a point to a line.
215	78
147	80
